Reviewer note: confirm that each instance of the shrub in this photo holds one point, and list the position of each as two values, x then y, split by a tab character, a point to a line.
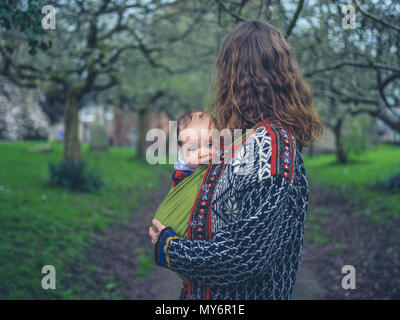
74	176
392	182
356	139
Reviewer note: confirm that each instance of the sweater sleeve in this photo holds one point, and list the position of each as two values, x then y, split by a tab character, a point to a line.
241	249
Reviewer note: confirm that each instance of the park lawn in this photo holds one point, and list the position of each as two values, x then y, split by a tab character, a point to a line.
42	225
49	226
359	180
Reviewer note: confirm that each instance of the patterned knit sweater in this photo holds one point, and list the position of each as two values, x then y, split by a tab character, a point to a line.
245	235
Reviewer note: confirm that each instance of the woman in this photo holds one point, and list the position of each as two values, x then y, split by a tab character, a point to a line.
245	235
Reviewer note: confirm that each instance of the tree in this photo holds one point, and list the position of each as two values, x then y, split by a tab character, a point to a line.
87	44
180	78
370	51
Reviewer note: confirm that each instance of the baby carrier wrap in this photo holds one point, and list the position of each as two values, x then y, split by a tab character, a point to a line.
174	211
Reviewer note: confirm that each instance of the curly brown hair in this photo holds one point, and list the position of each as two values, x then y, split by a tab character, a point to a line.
258	77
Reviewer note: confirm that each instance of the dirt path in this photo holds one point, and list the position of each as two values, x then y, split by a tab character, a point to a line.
124	254
308	286
338	233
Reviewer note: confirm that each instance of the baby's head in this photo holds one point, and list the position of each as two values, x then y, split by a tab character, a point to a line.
195	137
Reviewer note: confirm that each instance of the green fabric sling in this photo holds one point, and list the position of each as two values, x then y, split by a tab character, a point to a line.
174	211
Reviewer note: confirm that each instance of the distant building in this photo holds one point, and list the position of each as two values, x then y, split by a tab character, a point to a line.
386	133
121	125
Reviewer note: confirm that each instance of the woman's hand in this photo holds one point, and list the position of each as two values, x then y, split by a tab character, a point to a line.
154	235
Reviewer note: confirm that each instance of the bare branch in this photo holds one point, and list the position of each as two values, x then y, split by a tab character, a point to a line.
294	19
112	82
230	12
354	64
376	19
383	84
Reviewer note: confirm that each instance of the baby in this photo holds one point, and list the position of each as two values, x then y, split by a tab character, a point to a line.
195	144
195	151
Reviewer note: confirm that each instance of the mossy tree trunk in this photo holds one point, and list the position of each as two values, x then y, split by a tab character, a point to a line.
339	145
72	148
311	149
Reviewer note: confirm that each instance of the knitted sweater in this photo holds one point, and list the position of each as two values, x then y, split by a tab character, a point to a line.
245	235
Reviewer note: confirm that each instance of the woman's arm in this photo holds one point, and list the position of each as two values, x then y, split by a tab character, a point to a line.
241	249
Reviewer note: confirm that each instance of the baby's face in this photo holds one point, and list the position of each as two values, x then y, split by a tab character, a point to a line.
197	143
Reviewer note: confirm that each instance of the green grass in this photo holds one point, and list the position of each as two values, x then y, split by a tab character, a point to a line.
363	170
145	263
41	225
358	179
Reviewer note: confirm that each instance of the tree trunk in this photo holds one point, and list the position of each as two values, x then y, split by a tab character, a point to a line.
142	126
118	123
311	149
340	151
72	148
